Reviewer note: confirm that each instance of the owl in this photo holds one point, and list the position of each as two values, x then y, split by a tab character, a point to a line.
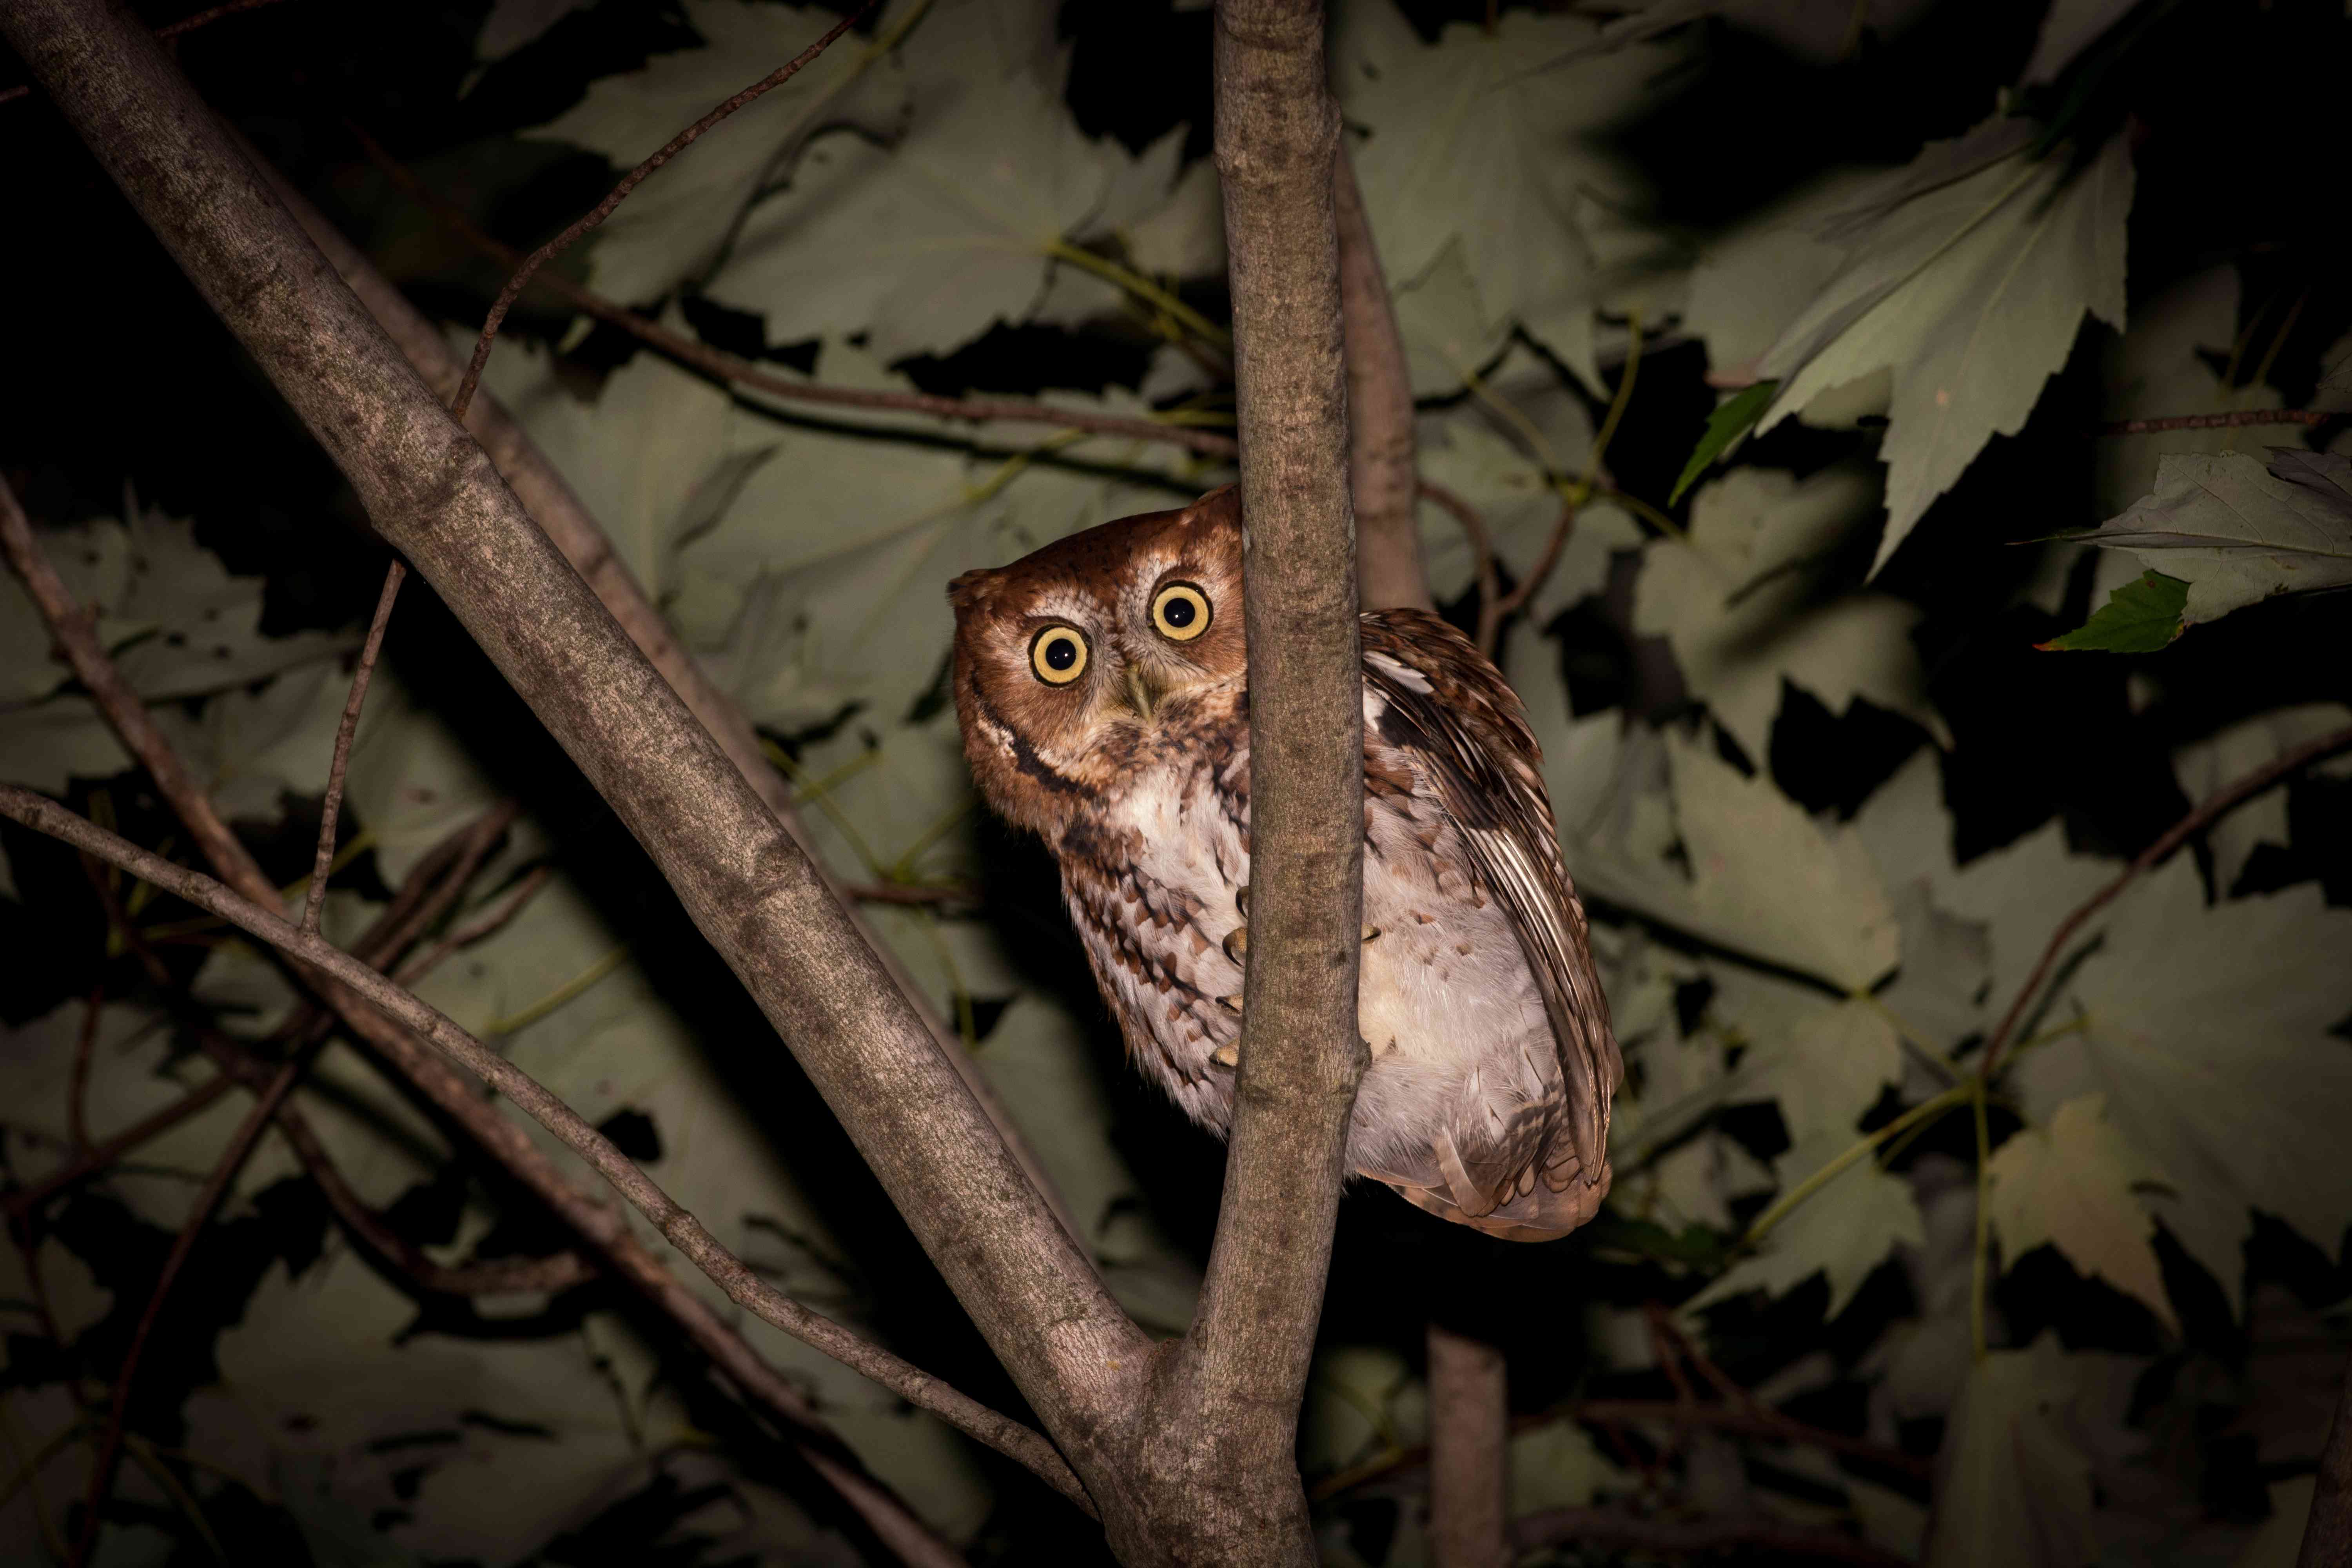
1102	692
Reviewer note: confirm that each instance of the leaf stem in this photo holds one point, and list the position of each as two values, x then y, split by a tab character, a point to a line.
1830	1173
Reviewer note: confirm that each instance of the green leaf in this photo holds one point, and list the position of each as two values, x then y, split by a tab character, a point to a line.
1844	1230
1468	148
1765	879
1748	604
2170	362
1824	1065
2207	1031
2239	530
2017	1488
1965	278
924	243
1729	421
2069	1185
673	227
2141	616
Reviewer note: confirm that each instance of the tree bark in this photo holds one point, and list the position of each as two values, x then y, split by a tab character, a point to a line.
431	492
1383	471
2327	1533
1218	1434
561	515
1469	1441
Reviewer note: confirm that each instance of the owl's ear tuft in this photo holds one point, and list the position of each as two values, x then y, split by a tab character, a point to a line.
970	588
1221	508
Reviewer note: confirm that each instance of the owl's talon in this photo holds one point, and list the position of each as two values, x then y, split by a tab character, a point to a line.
1232	1004
1237	943
1372	933
1226	1056
1241	900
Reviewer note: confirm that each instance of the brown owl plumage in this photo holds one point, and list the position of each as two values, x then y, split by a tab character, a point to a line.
1103	691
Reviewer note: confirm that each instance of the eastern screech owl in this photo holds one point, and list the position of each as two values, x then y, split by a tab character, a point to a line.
1104	695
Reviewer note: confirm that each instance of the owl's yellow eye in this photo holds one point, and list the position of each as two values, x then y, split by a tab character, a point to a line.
1058	655
1181	611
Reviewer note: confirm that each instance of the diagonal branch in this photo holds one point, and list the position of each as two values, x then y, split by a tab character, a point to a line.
418	1064
2180	833
682	1229
558	511
338	766
434	497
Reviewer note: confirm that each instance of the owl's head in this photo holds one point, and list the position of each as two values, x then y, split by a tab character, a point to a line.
1071	661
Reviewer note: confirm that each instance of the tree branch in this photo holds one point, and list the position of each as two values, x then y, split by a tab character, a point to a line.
2237	421
1382	472
1232	1392
682	1229
596	215
1469	1441
432	493
1615	1527
567	523
339	765
2180	833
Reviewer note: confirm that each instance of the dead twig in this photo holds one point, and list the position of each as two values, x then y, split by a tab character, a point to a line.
332	806
78	1083
100	1156
596	215
200	1213
2237	421
1473	528
466	936
1493	611
2180	833
1619	1528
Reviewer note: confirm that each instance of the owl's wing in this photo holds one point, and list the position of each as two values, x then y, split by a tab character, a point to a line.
1445	706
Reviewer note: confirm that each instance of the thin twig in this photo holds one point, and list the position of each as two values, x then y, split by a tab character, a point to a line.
1493	612
215	1187
727	367
2181	832
1615	1527
77	1084
100	1156
1474	527
332	807
917	893
745	1287
2238	420
596	215
412	1062
417	969
169	30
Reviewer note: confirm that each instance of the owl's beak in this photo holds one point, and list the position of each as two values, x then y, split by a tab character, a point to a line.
1141	696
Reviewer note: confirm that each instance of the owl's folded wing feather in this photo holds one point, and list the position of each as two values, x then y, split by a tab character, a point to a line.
1449	708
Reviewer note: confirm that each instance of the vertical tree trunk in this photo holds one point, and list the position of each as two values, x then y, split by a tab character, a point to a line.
1383	472
1469	1438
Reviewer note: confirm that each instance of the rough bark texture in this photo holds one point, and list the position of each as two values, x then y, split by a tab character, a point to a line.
561	515
2327	1533
1383	472
1216	1440
1469	1435
432	492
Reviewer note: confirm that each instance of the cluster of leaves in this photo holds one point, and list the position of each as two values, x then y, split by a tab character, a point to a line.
1797	734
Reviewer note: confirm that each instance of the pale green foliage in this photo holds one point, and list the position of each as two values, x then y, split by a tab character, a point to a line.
2020	1488
1471	153
2241	529
2231	753
1842	1231
2157	371
1749	602
2206	1029
675	226
1966	276
2070	1185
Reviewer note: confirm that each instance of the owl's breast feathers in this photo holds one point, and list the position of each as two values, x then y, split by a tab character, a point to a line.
1488	1097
